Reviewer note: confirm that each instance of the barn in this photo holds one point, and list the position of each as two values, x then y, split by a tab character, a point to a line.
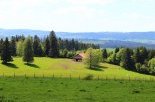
79	57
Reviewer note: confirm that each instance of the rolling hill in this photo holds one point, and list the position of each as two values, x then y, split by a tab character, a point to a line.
104	39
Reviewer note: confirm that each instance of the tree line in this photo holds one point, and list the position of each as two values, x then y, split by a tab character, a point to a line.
139	59
29	47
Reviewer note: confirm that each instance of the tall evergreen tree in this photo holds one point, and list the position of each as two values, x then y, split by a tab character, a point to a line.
54	48
104	54
126	60
6	52
28	51
37	48
116	50
13	46
47	46
143	54
136	55
1	45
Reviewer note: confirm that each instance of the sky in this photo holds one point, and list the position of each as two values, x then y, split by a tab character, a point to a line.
78	15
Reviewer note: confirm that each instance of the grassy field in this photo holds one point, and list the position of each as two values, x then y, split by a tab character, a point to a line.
65	68
74	90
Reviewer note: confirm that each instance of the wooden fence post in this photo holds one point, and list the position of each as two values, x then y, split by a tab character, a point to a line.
53	75
70	76
25	75
79	77
34	75
14	75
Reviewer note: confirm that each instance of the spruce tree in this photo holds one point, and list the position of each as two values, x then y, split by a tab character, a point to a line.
28	51
104	54
1	45
54	48
37	48
13	46
6	52
126	60
136	55
47	46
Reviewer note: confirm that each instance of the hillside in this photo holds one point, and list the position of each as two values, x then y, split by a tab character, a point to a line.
105	39
65	68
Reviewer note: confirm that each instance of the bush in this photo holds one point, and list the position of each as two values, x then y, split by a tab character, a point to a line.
88	77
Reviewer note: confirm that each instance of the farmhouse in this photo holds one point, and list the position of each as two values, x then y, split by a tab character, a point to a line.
79	57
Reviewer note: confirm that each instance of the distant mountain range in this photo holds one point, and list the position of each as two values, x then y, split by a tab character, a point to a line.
105	39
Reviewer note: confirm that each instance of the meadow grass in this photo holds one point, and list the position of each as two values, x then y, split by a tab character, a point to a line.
21	89
47	67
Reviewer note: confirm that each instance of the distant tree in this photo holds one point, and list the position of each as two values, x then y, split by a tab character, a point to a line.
93	57
126	60
143	54
37	48
112	59
137	56
47	46
54	48
104	54
6	52
20	48
28	50
64	53
116	50
1	45
13	46
151	65
151	54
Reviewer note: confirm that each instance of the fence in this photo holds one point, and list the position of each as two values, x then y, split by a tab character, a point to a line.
80	77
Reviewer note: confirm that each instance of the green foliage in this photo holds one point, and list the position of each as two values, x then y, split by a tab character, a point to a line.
104	54
20	48
47	46
37	47
112	59
151	65
1	45
93	57
13	46
54	47
28	50
6	52
126	60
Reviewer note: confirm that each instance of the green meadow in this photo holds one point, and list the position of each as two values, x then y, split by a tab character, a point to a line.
48	67
74	90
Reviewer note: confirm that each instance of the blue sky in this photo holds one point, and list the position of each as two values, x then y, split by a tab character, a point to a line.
78	15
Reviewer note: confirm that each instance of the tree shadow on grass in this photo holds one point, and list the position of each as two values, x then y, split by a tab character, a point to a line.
98	68
32	65
11	65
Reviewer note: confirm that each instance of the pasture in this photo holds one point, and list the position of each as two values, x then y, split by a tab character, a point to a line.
49	67
65	90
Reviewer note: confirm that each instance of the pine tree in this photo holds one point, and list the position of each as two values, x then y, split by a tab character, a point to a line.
126	60
13	46
104	54
47	46
116	50
143	54
136	55
1	45
6	52
54	48
37	48
28	51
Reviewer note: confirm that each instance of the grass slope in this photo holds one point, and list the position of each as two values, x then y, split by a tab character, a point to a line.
65	68
74	90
